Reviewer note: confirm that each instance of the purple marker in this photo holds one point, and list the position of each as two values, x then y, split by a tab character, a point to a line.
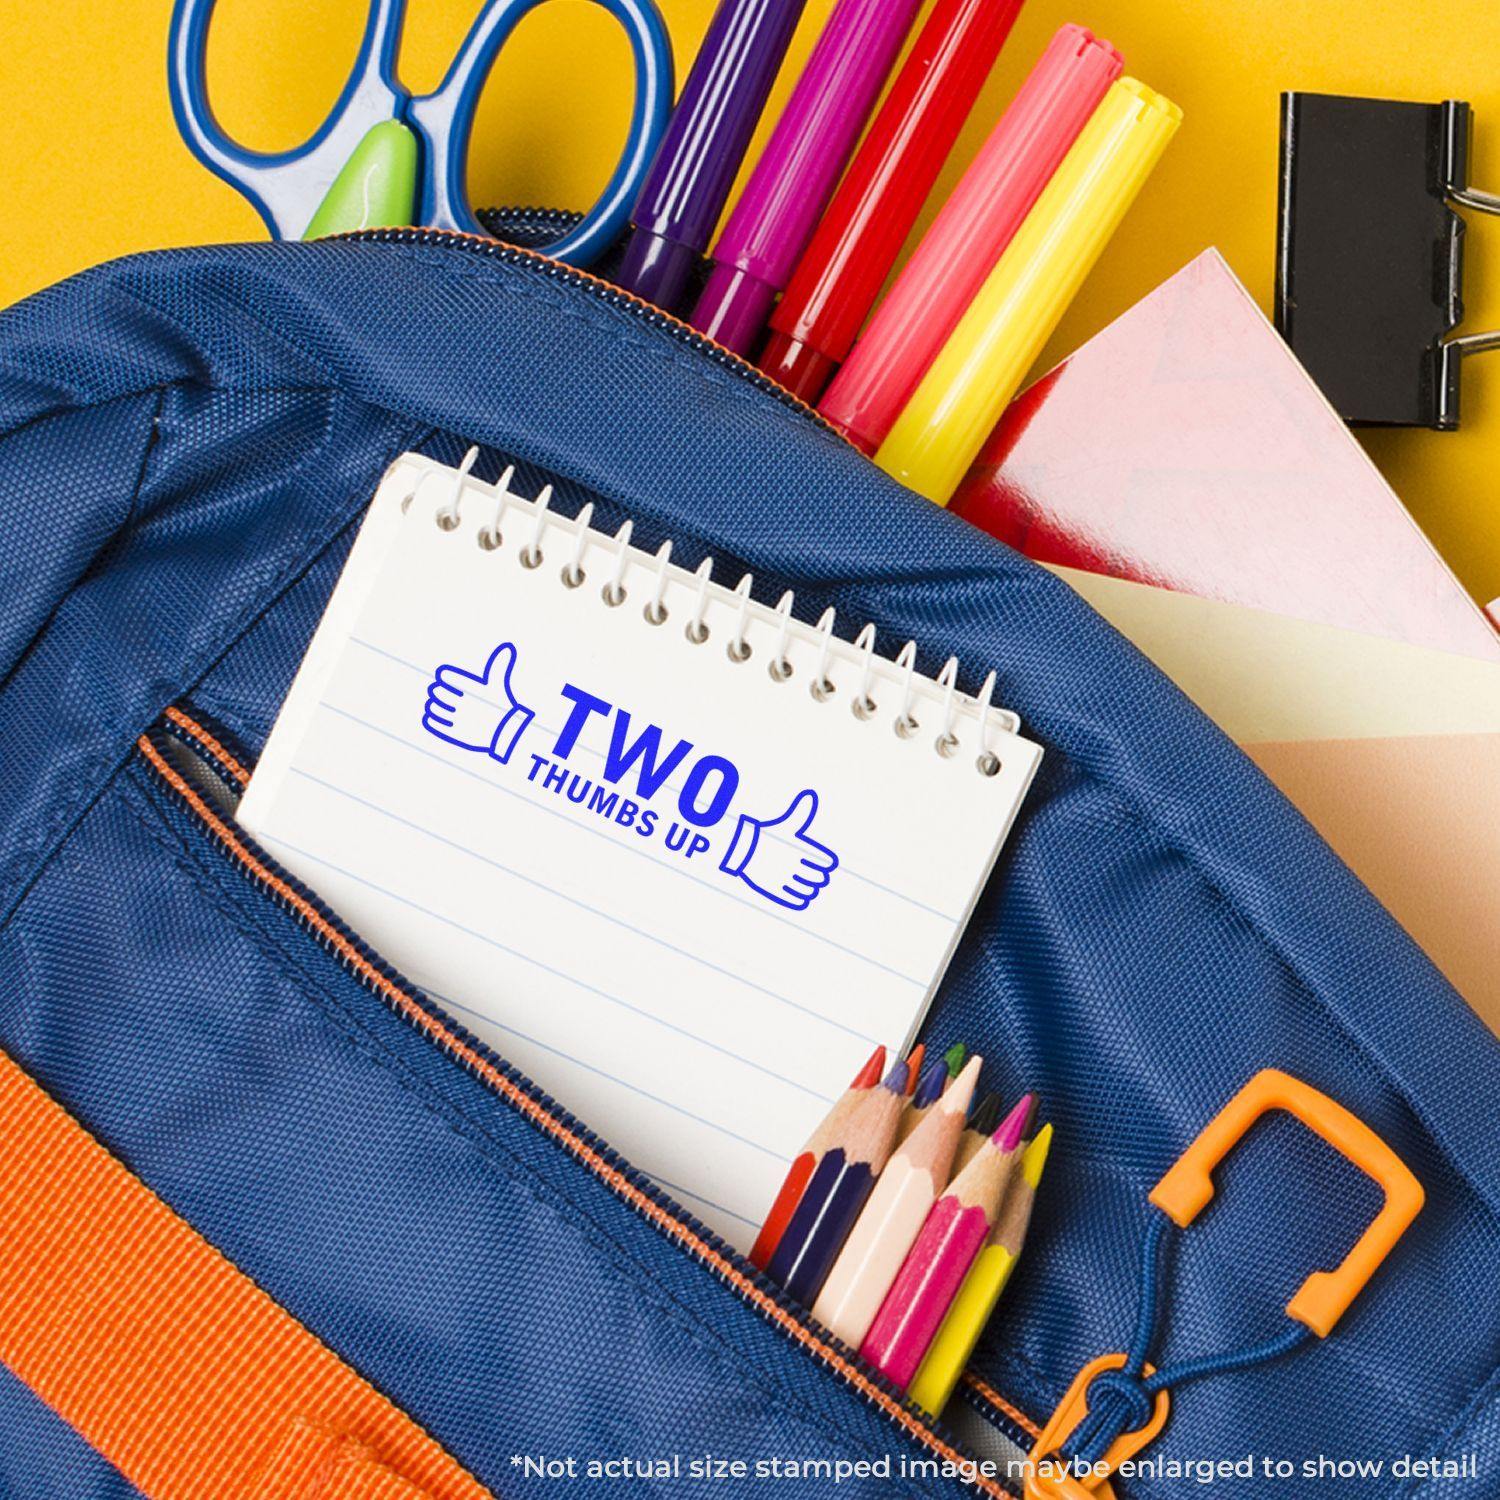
700	154
791	183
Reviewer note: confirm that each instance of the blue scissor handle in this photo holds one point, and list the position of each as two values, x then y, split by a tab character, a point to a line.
285	186
288	186
444	121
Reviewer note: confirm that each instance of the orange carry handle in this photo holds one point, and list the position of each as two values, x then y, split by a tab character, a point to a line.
1322	1299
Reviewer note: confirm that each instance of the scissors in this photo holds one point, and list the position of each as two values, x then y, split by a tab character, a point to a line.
386	157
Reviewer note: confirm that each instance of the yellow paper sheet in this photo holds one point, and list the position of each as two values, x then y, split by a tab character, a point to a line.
1264	676
1418	819
1392	752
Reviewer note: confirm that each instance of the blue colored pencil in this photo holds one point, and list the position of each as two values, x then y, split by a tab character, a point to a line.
929	1090
838	1190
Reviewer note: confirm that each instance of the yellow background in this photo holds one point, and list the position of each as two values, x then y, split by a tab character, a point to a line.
95	167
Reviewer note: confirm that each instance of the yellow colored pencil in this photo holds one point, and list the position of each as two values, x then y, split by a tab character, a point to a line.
982	1287
953	410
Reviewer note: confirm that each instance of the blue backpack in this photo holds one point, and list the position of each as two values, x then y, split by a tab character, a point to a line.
187	442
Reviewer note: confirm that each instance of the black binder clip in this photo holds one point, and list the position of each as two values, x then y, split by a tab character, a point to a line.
1369	253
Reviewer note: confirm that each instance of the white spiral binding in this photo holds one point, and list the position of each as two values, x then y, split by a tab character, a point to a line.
948	706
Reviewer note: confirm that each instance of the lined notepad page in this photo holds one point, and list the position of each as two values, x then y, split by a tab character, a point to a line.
678	890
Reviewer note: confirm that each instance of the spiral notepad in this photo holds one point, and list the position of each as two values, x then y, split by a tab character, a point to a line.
678	855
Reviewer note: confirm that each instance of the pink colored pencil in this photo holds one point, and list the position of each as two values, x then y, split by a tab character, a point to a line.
932	1273
890	1222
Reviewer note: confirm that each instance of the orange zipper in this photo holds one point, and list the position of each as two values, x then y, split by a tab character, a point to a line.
683	330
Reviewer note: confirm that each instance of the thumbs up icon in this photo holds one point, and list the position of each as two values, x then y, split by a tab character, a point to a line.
778	858
491	724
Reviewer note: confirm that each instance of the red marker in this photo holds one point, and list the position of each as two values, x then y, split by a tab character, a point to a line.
967	237
846	263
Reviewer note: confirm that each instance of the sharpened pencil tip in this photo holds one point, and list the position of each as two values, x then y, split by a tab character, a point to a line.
986	1114
895	1080
931	1084
869	1075
961	1091
1034	1158
954	1059
914	1065
1008	1136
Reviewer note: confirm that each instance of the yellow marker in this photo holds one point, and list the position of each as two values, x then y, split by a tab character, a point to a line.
981	1288
979	369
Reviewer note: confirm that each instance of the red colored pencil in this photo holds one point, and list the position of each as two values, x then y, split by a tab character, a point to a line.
932	1273
914	1067
806	1161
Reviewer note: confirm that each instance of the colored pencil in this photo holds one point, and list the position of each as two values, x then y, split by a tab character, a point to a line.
928	1091
839	1188
954	1057
894	1216
980	1128
802	1167
947	1246
914	1067
983	1285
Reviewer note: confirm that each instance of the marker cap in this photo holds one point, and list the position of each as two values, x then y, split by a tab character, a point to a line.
657	268
802	369
733	307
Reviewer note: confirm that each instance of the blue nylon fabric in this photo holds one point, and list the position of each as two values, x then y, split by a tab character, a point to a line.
186	442
39	1448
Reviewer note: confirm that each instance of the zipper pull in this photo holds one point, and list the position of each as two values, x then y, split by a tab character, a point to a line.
1053	1477
1118	1403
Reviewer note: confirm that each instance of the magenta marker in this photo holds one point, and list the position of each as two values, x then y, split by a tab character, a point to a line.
792	181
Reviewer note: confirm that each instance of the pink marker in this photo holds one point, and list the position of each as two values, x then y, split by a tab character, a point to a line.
953	1235
968	236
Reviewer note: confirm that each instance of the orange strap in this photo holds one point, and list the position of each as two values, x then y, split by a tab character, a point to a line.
170	1362
313	1462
